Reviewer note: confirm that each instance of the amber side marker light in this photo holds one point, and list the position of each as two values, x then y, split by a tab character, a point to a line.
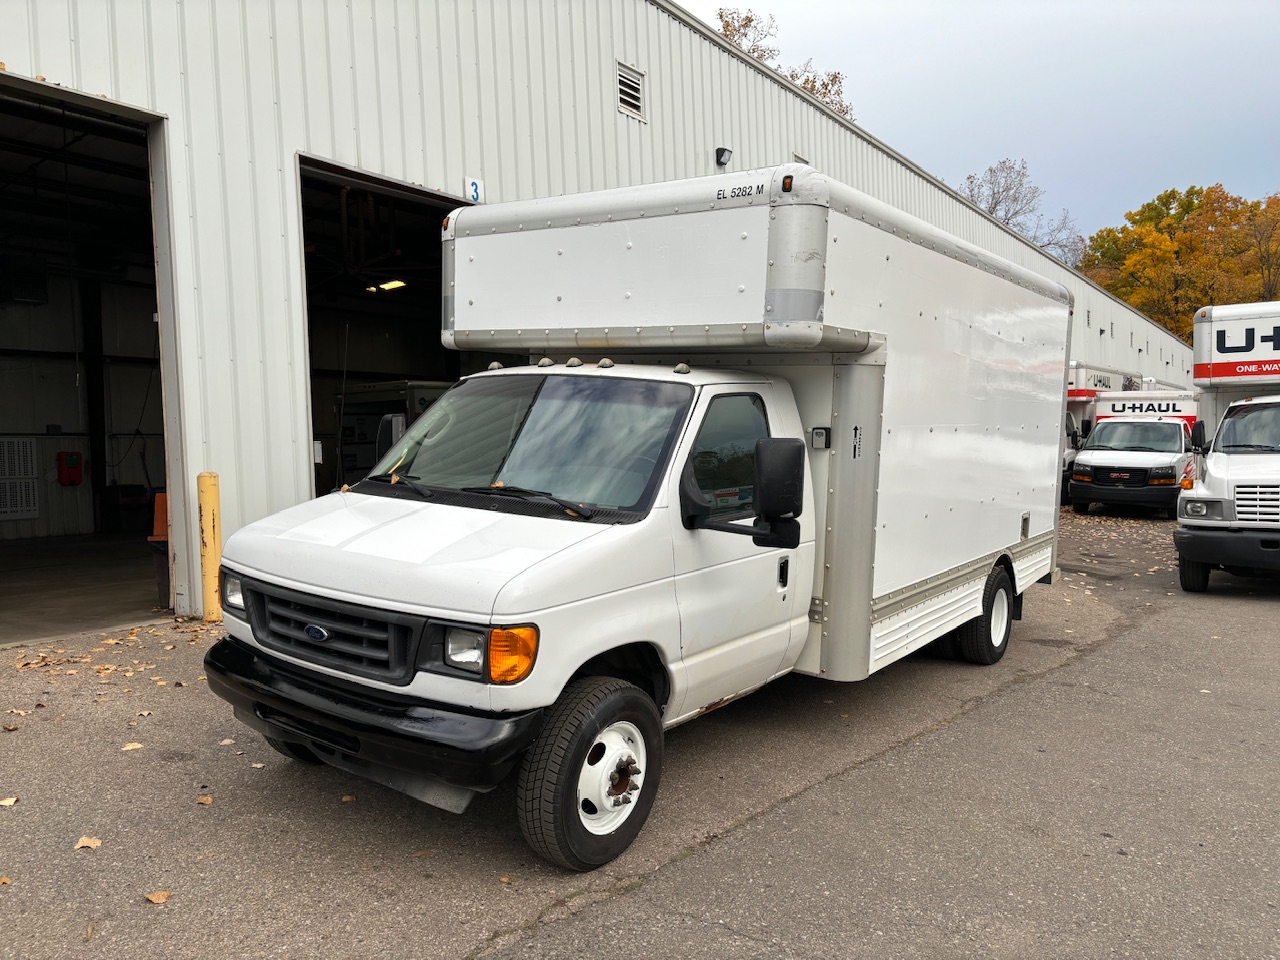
786	184
512	651
1187	483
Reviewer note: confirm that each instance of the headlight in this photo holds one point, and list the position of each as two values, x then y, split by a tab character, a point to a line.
1082	474
232	591
1162	475
1201	509
464	649
508	652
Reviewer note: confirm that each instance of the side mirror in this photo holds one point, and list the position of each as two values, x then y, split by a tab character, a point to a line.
778	496
1086	427
1197	436
779	493
390	430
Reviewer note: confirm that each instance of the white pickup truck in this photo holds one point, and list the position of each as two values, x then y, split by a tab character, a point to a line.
773	425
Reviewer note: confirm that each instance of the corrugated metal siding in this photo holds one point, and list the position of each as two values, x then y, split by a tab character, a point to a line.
518	93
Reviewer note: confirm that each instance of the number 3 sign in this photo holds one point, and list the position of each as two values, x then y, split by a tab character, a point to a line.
473	190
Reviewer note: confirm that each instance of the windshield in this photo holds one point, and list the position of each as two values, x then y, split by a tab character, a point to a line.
587	440
1152	435
1250	429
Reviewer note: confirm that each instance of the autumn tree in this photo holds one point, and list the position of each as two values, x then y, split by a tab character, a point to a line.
752	33
1005	191
1186	249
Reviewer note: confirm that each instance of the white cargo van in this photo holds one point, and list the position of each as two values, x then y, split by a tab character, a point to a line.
1138	452
1229	517
774	425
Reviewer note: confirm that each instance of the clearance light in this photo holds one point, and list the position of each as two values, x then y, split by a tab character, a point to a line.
512	651
1187	483
786	184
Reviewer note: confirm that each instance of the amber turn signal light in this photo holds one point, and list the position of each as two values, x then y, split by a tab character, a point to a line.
512	651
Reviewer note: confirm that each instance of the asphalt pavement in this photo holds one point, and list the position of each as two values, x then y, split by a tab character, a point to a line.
1108	789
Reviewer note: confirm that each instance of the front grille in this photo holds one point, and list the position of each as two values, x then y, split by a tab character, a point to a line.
361	641
1258	502
1119	477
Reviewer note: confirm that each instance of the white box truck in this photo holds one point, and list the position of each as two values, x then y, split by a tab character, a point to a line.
1138	451
1229	516
774	425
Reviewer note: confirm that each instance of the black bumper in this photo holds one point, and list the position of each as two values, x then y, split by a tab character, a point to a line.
1162	496
1255	549
343	723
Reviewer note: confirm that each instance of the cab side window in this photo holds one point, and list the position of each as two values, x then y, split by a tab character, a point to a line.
724	455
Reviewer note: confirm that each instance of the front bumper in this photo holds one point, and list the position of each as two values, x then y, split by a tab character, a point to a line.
1149	495
403	742
1255	549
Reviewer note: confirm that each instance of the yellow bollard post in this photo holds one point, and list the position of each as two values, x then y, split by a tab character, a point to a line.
210	544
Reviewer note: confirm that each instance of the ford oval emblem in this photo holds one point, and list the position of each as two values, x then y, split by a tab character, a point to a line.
317	633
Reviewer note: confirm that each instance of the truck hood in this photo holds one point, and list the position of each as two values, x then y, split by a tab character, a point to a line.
401	554
1246	467
1144	459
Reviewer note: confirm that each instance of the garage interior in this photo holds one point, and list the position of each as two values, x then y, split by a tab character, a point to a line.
82	455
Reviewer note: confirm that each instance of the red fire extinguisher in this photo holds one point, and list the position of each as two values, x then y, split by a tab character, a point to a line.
70	471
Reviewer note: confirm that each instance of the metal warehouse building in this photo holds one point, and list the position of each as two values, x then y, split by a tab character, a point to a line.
219	221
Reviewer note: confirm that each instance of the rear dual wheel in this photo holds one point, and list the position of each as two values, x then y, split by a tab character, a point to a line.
985	638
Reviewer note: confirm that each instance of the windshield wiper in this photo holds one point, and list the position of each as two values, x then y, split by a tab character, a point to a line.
409	481
524	493
1269	447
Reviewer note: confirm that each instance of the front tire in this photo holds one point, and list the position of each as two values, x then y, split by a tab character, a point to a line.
1193	575
294	751
985	638
1079	506
587	784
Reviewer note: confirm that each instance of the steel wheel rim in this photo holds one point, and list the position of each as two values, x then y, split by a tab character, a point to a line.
611	777
999	618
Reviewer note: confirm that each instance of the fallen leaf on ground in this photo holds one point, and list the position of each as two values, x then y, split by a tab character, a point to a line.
419	854
159	896
226	743
8	801
9	729
504	879
5	881
92	843
258	766
204	800
347	797
144	713
132	746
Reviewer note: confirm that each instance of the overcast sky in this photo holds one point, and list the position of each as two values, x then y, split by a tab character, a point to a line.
1110	102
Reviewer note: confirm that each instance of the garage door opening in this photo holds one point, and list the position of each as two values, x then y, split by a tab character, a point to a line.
373	269
82	451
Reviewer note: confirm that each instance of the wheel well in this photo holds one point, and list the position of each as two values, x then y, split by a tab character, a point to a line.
636	663
1015	606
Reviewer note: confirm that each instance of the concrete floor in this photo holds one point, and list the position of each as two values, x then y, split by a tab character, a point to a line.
59	585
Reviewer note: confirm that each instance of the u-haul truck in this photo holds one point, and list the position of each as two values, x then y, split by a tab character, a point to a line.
1138	451
1229	517
771	425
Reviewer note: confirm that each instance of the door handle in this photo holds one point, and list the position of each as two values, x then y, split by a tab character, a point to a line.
784	571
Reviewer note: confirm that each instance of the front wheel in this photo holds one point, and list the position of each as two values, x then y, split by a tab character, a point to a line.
294	751
1193	575
587	784
1079	506
985	638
